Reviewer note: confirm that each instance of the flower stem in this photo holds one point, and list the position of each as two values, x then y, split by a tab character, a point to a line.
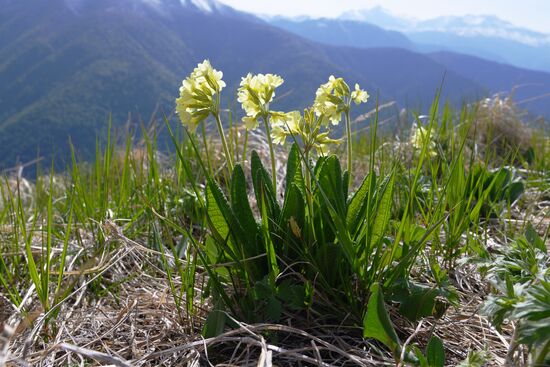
272	153
309	191
206	150
245	145
348	133
224	142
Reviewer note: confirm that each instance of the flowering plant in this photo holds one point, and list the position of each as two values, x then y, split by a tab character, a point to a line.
334	98
197	95
200	97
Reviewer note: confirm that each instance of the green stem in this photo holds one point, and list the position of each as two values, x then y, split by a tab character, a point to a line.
309	193
245	145
206	148
224	142
272	153
348	133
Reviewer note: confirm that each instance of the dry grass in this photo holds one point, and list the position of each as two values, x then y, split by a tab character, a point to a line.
137	324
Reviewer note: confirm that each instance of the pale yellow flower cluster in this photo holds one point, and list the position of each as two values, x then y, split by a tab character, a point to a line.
333	98
196	100
307	128
419	137
255	94
330	99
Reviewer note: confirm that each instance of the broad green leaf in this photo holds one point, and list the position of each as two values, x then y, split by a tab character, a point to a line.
274	309
357	205
515	190
422	360
416	301
383	213
293	207
331	218
294	169
377	323
435	353
214	325
293	295
216	217
241	206
330	182
263	185
224	224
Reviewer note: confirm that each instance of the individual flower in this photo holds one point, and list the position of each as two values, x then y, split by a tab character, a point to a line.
279	134
330	99
250	122
255	94
197	91
284	125
322	141
358	95
293	121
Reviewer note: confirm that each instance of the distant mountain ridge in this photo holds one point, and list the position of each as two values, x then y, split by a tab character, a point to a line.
486	36
65	67
467	25
344	32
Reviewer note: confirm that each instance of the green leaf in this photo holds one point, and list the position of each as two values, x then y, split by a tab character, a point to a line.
515	190
416	301
293	295
534	239
262	183
383	213
240	204
224	224
293	207
377	324
274	309
357	205
214	325
329	193
216	205
422	360
330	182
435	352
268	243
294	170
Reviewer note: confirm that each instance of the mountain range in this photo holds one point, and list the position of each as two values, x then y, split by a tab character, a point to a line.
68	66
482	35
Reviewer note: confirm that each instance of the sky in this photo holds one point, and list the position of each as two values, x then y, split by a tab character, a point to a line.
532	14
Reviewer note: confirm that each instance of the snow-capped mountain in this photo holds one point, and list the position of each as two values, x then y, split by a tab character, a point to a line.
378	16
163	7
485	36
467	26
482	25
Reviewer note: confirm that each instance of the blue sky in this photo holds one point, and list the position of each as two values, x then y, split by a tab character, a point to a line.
532	14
